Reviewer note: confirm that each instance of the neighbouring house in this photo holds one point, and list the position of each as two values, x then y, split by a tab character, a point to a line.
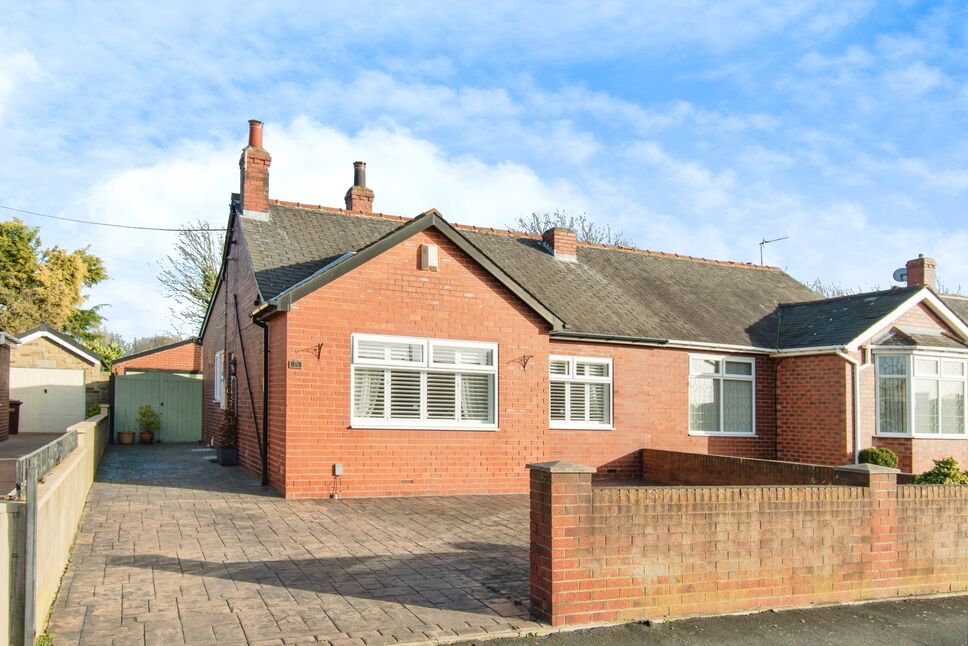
376	355
7	341
180	357
57	379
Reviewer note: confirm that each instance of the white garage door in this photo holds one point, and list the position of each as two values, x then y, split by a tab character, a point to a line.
53	399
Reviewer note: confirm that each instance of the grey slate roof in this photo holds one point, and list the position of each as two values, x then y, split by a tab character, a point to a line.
607	292
835	321
958	304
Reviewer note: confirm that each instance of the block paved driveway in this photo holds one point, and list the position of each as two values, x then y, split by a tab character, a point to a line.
173	549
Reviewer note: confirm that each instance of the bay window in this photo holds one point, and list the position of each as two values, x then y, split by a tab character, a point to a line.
402	382
721	395
921	395
580	392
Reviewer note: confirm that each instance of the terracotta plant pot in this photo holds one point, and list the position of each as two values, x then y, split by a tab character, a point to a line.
147	437
125	437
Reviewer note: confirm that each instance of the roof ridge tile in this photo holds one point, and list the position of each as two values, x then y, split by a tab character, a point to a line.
532	236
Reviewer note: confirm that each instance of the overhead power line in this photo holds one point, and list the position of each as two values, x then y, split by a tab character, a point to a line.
101	224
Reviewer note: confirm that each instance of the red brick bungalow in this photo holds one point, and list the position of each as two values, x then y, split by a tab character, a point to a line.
180	356
396	356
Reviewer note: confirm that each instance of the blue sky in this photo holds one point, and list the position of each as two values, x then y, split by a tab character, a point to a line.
693	127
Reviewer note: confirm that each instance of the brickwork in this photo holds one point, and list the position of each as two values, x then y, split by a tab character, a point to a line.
4	391
651	408
185	357
813	401
254	166
620	554
697	469
222	333
390	295
561	241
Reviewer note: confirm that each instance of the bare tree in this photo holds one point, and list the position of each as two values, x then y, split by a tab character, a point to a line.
833	290
145	343
586	230
188	275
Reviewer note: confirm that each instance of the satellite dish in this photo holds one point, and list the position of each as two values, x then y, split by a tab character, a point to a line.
900	275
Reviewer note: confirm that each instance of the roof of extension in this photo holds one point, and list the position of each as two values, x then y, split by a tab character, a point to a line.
836	321
959	304
610	291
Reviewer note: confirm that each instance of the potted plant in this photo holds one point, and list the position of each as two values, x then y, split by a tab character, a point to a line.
149	423
226	450
125	437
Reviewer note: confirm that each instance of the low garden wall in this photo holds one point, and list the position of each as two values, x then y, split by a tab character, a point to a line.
603	554
60	502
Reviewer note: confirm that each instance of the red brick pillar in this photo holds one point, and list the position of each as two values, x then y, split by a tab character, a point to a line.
882	565
561	493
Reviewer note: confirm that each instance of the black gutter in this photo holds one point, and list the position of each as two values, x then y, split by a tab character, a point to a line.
265	399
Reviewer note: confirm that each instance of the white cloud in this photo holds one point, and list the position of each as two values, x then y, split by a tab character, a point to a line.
311	164
914	80
17	68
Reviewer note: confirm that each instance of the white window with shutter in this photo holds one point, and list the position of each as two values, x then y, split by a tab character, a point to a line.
416	383
580	394
218	394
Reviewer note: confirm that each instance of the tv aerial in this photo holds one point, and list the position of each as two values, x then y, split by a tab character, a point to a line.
765	242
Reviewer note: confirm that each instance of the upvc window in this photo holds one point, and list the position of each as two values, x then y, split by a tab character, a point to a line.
921	395
580	392
722	395
402	382
218	395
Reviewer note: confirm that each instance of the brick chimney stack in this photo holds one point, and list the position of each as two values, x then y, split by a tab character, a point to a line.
921	272
254	167
562	243
359	198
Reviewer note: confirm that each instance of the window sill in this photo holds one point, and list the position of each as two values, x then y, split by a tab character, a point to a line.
416	427
716	434
581	427
932	436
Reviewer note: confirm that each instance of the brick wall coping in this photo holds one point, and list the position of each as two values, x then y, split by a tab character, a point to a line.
866	468
560	466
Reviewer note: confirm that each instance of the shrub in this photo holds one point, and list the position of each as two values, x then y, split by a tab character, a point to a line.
148	419
945	471
883	457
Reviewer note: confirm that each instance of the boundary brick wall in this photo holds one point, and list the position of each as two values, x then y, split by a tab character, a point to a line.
186	357
621	554
697	469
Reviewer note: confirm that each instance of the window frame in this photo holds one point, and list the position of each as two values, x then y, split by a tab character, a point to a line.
218	388
423	367
721	376
571	377
911	357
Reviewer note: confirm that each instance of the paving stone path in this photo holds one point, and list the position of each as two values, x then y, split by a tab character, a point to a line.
174	549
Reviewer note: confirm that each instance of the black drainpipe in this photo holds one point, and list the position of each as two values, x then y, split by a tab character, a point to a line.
265	399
